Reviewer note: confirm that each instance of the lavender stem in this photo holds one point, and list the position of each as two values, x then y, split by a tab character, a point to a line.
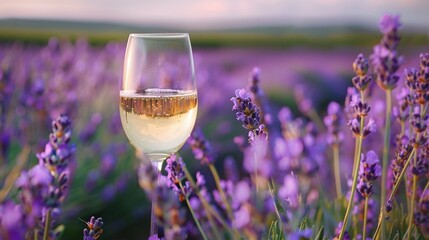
210	211
356	165
336	156
47	225
395	188
364	218
386	147
192	212
222	193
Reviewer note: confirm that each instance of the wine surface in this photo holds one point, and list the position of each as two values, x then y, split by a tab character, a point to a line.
158	121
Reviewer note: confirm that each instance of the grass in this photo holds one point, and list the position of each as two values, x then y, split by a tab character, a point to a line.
275	39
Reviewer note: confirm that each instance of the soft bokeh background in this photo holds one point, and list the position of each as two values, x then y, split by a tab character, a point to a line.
73	51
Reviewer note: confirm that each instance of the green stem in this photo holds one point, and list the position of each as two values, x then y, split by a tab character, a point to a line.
210	212
336	157
47	225
405	181
364	218
222	193
271	189
192	212
353	188
256	174
356	164
386	149
413	196
395	188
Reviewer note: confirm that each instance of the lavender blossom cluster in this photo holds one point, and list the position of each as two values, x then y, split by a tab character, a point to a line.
279	195
42	189
302	175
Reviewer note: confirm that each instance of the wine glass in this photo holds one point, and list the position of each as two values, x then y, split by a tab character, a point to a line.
158	96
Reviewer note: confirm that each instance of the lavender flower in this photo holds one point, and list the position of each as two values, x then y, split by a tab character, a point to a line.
176	174
389	23
228	187
154	237
398	163
201	147
289	191
254	81
368	129
370	170
242	217
337	233
360	67
304	102
333	121
255	157
421	212
301	234
420	166
44	187
371	215
58	152
418	86
248	113
174	169
385	57
148	176
259	96
12	224
94	229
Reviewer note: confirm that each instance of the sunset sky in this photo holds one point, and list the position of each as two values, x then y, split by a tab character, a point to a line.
221	13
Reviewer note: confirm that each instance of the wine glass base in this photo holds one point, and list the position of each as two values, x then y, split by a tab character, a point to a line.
157	157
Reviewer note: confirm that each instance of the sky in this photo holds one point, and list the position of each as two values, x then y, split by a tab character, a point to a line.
221	13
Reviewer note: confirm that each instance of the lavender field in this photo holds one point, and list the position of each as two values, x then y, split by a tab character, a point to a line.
290	143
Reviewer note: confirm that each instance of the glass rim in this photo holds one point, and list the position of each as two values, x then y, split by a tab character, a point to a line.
159	35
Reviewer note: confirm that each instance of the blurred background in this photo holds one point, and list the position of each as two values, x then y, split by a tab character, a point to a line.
66	57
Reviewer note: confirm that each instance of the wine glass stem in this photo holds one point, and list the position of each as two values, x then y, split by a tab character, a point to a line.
153	222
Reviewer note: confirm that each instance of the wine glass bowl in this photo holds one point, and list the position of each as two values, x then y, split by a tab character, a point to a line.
158	97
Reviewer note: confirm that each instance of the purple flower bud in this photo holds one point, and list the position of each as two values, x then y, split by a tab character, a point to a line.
354	126
94	230
201	147
360	65
389	23
200	179
285	115
389	206
369	128
174	169
385	58
346	235
301	234
242	217
369	170
333	122
290	190
12	221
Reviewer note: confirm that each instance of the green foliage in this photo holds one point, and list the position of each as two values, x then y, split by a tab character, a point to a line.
275	232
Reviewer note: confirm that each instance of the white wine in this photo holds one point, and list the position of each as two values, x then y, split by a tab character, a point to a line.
158	121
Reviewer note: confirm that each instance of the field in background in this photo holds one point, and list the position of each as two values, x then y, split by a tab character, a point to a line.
319	59
98	33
